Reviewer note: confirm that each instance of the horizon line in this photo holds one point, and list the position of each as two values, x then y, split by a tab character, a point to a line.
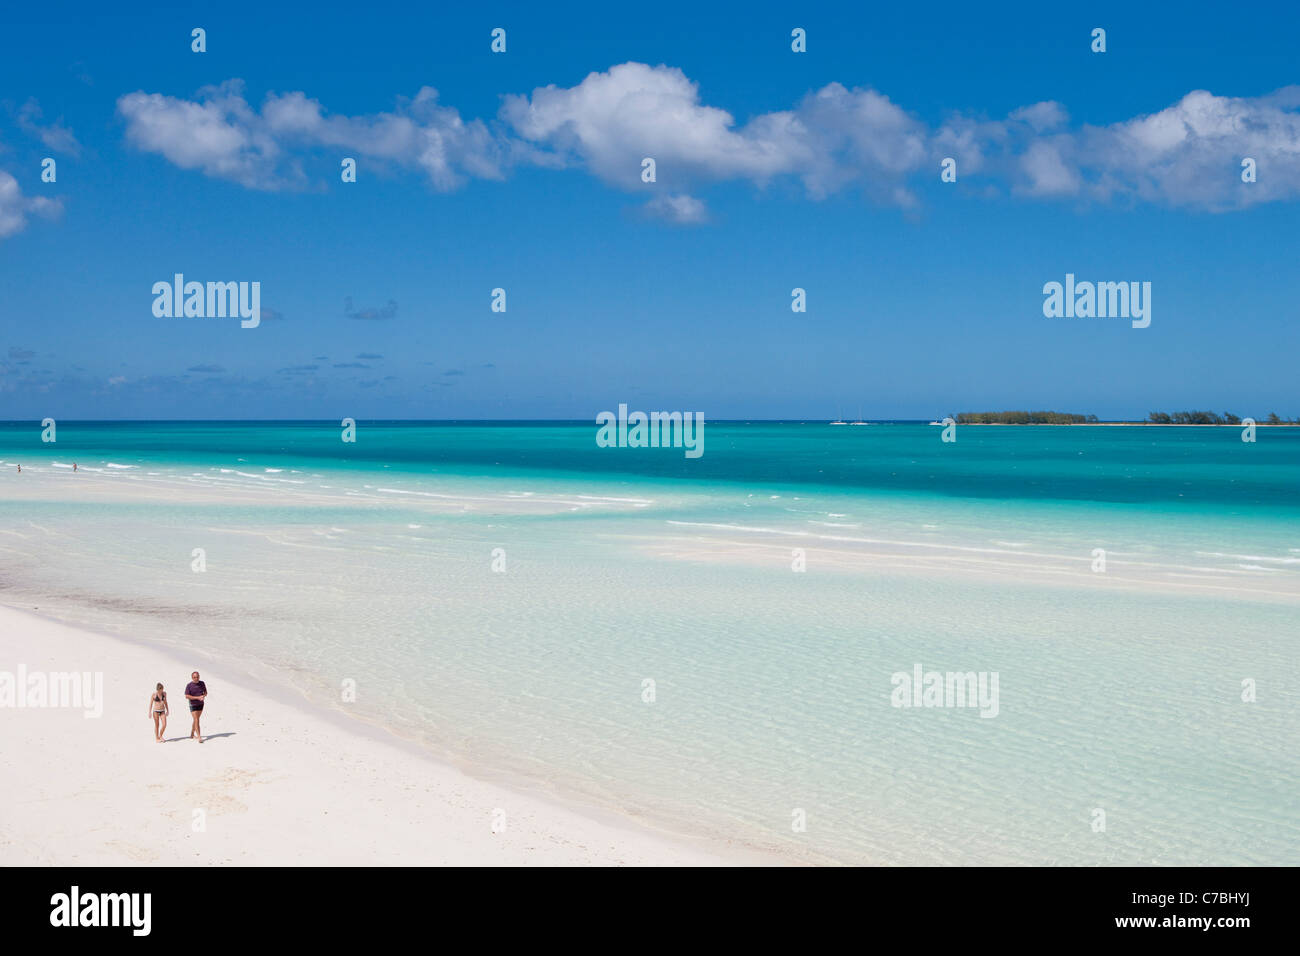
29	422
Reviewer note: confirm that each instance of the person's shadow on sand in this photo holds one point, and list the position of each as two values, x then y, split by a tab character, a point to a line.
206	737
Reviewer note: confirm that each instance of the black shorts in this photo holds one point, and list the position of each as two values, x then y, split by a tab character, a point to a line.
196	705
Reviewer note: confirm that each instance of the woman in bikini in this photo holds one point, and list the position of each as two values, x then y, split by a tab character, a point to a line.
159	708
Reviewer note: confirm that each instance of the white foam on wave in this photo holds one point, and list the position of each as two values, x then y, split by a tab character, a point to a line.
1247	557
854	539
609	498
289	481
420	494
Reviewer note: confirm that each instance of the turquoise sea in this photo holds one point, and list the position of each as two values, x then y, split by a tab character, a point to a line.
710	644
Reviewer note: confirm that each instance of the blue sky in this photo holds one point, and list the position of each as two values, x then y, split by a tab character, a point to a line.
776	170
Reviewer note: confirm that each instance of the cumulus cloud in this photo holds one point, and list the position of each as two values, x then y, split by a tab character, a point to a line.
222	135
611	121
55	136
15	207
858	137
1046	169
420	134
1190	154
836	139
218	134
678	208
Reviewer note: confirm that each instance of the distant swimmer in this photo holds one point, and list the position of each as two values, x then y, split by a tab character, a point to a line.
20	469
159	709
74	466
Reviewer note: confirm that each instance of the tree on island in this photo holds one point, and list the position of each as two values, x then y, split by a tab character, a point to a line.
1209	418
1023	418
1068	418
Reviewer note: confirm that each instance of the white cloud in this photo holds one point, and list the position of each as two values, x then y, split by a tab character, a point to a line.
15	207
224	137
678	208
219	134
1040	116
55	136
421	134
1047	171
1190	154
834	140
611	121
859	137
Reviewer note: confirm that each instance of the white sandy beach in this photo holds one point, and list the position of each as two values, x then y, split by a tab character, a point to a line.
279	784
524	689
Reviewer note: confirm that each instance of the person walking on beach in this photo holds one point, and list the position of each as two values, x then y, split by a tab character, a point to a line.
159	708
195	691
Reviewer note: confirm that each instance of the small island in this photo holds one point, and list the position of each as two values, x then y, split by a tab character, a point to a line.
1024	418
1154	418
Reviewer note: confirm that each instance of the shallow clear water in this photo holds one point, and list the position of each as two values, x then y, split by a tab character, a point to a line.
1119	690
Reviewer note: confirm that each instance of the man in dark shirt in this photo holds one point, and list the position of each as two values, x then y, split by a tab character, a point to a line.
195	691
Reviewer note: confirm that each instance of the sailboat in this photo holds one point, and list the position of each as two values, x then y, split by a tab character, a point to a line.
859	421
839	421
